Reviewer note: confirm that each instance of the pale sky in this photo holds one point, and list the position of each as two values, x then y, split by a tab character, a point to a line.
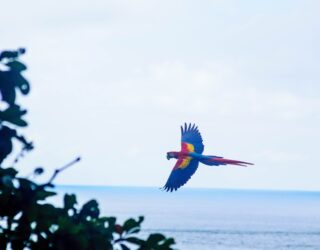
112	81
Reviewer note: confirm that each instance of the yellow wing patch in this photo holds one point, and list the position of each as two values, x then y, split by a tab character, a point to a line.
185	162
187	147
190	147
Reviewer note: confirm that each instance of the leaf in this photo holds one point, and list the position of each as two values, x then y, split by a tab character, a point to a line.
7	87
20	82
168	243
132	225
69	201
19	122
13	115
43	194
8	54
135	240
6	145
140	219
129	225
8	171
12	54
153	239
124	247
16	66
134	230
90	209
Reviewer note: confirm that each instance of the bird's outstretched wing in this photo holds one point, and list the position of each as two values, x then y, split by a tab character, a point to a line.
181	173
191	135
186	166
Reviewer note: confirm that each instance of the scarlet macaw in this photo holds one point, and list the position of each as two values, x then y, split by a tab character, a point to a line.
190	156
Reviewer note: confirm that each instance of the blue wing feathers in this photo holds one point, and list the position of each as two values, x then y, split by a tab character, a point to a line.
190	134
179	177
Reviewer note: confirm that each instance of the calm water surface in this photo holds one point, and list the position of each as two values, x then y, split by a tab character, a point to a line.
209	219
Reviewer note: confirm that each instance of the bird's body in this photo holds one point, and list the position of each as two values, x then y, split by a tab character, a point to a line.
189	156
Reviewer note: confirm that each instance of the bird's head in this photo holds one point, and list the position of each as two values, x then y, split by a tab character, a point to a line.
171	155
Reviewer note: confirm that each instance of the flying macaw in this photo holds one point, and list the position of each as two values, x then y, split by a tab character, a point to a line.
190	156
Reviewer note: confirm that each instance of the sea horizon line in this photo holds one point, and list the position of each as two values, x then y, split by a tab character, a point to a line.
190	188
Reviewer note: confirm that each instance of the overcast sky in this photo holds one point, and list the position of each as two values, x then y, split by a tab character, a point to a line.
112	81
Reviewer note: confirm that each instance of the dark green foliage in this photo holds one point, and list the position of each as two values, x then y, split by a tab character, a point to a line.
27	219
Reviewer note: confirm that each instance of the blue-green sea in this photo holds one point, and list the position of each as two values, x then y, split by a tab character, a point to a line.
221	219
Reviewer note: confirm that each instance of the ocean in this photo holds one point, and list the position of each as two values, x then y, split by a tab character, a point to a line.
209	219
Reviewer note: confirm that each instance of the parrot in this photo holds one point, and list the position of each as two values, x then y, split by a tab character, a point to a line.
189	157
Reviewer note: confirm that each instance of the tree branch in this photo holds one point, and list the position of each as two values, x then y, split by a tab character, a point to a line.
58	170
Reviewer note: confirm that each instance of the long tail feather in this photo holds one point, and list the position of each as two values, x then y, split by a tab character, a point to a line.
216	161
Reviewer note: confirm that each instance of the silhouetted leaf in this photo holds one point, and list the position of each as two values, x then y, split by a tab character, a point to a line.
69	201
9	54
43	194
16	66
124	247
21	83
13	115
12	54
135	240
8	171
155	238
168	243
90	209
132	225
